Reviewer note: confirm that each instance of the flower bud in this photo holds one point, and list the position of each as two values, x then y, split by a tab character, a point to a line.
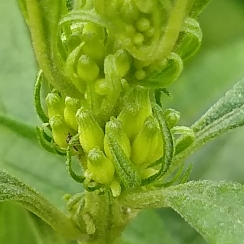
90	133
87	69
60	130
100	167
122	62
137	108
55	104
142	24
129	12
101	87
94	47
172	117
91	29
71	107
146	142
114	126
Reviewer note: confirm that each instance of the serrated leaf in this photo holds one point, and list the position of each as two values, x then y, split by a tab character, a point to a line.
12	189
214	209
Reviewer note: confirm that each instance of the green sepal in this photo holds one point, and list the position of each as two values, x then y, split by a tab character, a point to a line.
169	73
189	40
125	169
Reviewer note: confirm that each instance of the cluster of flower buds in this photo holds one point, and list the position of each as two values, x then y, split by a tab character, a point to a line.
117	53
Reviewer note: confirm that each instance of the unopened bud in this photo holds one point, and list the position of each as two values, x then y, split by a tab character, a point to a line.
55	104
172	117
122	62
90	133
135	111
146	142
100	167
60	130
114	127
87	69
71	107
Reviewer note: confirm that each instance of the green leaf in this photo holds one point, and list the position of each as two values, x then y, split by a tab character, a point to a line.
214	209
43	24
19	226
225	115
145	228
12	189
198	7
22	156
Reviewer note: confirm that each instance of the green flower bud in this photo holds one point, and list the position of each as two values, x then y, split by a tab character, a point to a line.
146	142
60	130
101	87
145	6
138	38
90	133
91	29
189	39
55	104
94	48
122	62
142	24
114	126
100	167
129	12
140	74
87	69
137	108
71	107
172	117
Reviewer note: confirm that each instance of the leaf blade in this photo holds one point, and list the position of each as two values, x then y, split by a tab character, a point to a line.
12	189
214	209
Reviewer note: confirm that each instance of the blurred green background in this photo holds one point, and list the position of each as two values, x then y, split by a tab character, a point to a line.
207	76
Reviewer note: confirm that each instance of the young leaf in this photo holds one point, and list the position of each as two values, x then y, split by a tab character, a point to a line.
214	209
226	114
12	189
